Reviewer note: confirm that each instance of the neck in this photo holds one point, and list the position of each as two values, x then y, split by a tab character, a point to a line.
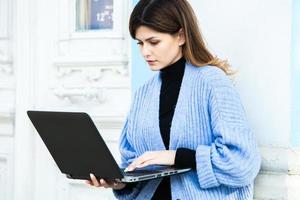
177	64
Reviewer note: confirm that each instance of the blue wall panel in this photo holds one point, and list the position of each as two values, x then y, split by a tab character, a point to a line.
295	89
140	70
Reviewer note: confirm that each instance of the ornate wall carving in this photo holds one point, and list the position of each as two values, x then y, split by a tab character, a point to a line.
7	82
89	69
5	42
6	124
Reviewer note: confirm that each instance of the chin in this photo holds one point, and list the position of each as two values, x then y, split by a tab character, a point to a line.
154	68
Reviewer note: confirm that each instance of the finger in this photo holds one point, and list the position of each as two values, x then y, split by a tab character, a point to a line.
137	163
88	182
145	156
94	180
132	166
104	183
147	163
115	184
140	160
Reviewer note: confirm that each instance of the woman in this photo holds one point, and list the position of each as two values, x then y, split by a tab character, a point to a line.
187	115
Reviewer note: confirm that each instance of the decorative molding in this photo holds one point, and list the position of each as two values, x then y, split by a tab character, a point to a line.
6	114
5	13
6	67
76	94
91	67
90	93
90	74
6	123
90	61
5	22
110	121
3	37
7	85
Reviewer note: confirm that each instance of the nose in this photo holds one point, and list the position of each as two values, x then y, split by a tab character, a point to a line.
146	51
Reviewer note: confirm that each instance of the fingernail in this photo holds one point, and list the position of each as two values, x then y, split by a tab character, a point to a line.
92	176
128	169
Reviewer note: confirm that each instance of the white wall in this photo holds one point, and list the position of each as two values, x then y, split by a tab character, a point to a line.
255	38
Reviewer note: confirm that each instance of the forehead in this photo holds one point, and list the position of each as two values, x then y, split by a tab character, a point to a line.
144	33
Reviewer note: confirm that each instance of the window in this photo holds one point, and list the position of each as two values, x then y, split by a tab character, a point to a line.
94	15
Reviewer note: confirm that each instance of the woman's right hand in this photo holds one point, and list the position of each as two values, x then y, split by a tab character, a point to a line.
103	183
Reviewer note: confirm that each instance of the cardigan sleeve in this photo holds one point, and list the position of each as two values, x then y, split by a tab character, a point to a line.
127	150
128	154
232	159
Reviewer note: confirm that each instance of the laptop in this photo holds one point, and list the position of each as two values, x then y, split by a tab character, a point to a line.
78	148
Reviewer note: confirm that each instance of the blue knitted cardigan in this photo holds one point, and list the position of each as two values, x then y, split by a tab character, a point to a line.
209	118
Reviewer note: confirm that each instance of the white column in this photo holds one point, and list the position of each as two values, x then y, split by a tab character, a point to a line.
24	21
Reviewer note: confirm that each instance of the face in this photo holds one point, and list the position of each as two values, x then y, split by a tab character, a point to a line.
159	49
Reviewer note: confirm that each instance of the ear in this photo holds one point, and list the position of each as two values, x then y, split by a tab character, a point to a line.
181	37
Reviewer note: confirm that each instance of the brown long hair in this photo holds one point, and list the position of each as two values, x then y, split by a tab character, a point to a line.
169	16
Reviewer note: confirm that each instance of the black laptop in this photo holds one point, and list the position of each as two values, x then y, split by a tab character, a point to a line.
78	148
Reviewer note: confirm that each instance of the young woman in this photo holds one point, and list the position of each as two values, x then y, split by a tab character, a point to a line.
187	115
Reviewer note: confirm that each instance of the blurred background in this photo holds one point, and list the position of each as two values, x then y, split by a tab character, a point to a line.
77	55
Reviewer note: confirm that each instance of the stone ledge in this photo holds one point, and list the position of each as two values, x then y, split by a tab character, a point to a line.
277	186
279	178
280	160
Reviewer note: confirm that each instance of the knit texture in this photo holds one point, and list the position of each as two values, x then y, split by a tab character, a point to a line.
209	118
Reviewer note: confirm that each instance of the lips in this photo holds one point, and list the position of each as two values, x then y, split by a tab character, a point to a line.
150	61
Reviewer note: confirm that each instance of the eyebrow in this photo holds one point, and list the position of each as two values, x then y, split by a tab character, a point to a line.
150	38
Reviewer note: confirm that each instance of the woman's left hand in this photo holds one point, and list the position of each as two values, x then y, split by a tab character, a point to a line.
153	158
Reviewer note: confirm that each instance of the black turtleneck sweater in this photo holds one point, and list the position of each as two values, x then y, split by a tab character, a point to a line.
171	77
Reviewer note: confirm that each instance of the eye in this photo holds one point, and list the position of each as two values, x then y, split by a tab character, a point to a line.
139	43
154	42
